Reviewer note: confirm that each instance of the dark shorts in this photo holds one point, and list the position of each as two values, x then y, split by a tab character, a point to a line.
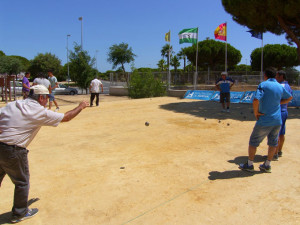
284	116
225	97
25	94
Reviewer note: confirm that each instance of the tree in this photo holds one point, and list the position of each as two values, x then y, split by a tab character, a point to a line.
182	55
10	65
212	53
242	67
25	62
162	64
278	56
42	63
81	67
175	62
165	52
275	16
2	53
120	54
145	85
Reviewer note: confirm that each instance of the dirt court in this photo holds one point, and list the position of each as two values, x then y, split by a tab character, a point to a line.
106	167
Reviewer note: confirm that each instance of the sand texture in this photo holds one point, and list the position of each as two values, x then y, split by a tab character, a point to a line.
106	167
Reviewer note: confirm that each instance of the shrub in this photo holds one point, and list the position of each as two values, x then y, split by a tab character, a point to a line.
145	85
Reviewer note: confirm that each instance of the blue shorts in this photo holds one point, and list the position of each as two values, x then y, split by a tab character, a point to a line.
260	132
51	97
284	116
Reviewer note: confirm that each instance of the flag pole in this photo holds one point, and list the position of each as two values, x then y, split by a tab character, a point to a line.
262	58
196	73
226	48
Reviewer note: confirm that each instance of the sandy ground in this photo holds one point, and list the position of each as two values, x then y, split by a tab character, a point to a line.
106	167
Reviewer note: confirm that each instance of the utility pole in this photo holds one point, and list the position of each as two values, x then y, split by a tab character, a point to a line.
68	35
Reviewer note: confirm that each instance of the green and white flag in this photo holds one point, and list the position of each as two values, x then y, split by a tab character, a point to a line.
188	36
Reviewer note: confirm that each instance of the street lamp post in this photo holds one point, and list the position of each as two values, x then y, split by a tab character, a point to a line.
80	18
96	59
68	35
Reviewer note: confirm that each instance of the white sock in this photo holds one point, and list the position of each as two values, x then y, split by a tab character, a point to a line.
250	163
267	163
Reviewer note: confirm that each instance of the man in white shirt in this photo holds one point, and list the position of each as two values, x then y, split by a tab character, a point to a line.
95	90
42	79
20	121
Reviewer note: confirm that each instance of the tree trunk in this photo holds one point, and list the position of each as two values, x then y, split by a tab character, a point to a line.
123	68
184	62
290	34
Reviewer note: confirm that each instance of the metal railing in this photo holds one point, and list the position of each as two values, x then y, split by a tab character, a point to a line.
185	79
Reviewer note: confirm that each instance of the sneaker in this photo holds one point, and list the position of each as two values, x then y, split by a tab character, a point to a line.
228	110
246	167
280	154
265	168
223	110
56	109
275	157
29	214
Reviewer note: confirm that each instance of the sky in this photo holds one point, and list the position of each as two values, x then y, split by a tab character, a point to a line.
30	27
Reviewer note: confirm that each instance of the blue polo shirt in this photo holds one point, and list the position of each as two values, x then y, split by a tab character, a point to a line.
225	84
287	87
269	93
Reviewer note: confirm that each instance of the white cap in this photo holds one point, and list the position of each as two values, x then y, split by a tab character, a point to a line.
40	89
224	73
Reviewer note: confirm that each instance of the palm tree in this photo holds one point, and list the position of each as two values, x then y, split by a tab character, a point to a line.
175	63
182	55
165	52
161	64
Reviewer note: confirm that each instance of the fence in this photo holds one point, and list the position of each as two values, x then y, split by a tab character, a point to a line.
181	79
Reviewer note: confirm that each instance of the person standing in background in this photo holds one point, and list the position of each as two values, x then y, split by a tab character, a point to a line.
281	79
54	84
95	90
223	85
26	85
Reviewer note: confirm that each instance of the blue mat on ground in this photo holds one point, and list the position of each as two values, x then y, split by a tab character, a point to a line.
199	94
235	97
296	99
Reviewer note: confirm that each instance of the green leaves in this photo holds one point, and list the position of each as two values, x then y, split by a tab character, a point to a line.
81	67
275	16
120	54
42	63
10	65
145	85
212	53
278	56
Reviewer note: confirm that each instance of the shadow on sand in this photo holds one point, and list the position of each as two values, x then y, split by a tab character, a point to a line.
229	174
5	217
212	110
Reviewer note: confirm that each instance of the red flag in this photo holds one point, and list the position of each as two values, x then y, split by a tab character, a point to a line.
221	32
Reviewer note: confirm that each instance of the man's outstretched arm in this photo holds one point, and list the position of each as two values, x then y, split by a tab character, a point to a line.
74	112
